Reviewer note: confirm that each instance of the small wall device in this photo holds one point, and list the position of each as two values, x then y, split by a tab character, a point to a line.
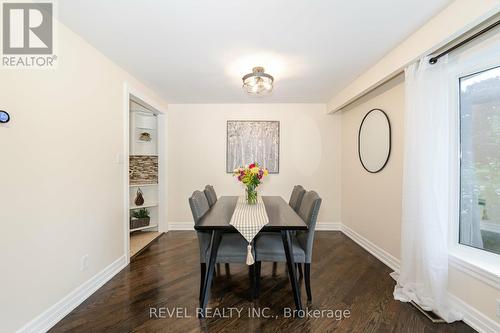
4	117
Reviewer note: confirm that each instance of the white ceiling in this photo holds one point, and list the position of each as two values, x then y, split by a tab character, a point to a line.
193	51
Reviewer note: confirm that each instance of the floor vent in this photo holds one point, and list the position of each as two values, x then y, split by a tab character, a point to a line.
429	314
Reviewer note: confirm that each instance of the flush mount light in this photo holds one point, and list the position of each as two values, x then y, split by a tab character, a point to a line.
258	82
4	117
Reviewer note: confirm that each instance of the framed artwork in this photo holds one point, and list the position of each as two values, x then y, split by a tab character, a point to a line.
251	141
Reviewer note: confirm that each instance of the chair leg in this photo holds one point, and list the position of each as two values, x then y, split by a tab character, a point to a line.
203	270
301	275
228	272
258	265
307	272
275	268
218	269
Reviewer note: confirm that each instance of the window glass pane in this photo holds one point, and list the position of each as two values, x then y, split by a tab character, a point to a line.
480	160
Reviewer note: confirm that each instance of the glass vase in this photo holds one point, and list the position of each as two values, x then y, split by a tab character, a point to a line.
251	195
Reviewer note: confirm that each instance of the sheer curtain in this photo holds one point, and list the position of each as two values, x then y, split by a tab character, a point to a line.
470	217
426	189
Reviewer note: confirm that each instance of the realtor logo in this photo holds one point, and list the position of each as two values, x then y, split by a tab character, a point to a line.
28	34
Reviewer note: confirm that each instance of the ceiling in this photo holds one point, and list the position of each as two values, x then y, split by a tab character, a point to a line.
194	51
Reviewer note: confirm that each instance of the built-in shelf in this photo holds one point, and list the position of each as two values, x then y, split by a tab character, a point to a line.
154	155
146	205
144	228
143	174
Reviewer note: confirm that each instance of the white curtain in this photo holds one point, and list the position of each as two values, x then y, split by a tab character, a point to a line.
470	217
426	189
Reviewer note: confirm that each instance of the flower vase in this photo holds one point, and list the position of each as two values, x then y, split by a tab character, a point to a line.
251	194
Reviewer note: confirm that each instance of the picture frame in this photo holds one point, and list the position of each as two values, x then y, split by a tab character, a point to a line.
249	141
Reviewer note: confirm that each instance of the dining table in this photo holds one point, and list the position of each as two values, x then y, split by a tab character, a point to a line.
282	219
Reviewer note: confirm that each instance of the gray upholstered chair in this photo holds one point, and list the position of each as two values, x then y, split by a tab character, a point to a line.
269	247
232	248
294	202
211	195
296	197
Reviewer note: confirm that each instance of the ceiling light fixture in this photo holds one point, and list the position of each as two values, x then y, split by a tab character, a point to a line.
258	82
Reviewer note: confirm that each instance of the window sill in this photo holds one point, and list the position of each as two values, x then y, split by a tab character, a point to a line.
479	264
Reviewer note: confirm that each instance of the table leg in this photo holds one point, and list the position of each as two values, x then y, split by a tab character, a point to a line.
203	272
214	247
287	244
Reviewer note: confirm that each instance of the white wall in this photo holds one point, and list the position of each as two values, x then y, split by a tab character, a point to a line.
309	153
371	203
61	189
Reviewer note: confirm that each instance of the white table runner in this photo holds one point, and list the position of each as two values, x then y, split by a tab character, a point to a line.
248	220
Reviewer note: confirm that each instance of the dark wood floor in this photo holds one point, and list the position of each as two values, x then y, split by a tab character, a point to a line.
344	277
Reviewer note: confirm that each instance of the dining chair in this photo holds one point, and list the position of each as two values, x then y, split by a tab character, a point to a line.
211	195
296	197
212	199
232	248
294	202
269	246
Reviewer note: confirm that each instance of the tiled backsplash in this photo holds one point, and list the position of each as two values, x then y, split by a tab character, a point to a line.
143	169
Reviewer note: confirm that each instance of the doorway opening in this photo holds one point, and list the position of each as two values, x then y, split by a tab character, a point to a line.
145	183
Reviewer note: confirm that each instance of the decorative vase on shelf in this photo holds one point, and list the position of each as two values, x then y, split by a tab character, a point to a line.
251	195
139	199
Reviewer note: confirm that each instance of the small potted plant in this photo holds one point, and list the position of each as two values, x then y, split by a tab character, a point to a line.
140	218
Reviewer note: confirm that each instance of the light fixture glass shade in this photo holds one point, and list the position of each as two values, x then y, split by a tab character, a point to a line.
258	82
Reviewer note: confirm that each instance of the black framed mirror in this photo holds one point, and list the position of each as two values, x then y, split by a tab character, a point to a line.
374	141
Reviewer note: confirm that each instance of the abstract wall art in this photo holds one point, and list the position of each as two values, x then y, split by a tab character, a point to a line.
251	141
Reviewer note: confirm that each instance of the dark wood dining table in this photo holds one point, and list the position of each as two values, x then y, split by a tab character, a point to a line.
282	219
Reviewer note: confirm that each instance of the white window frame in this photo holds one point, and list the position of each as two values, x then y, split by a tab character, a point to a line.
479	263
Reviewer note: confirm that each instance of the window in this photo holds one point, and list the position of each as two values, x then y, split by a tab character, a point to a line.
480	160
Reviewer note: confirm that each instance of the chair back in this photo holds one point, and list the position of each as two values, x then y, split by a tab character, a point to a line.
211	195
199	206
296	197
308	211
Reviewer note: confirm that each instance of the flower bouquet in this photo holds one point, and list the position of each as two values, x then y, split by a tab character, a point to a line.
251	176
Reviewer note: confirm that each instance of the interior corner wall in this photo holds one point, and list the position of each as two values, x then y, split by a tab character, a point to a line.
309	154
62	183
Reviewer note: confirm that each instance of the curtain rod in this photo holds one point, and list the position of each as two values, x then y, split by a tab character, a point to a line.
435	59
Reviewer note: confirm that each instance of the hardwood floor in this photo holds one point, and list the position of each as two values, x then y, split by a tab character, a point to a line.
139	240
166	275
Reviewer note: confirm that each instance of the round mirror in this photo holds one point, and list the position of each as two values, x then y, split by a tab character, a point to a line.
374	141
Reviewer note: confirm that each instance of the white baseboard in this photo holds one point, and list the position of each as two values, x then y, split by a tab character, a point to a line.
375	250
173	226
473	317
50	317
328	226
323	226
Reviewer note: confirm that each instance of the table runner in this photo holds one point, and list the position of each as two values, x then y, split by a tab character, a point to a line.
248	220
